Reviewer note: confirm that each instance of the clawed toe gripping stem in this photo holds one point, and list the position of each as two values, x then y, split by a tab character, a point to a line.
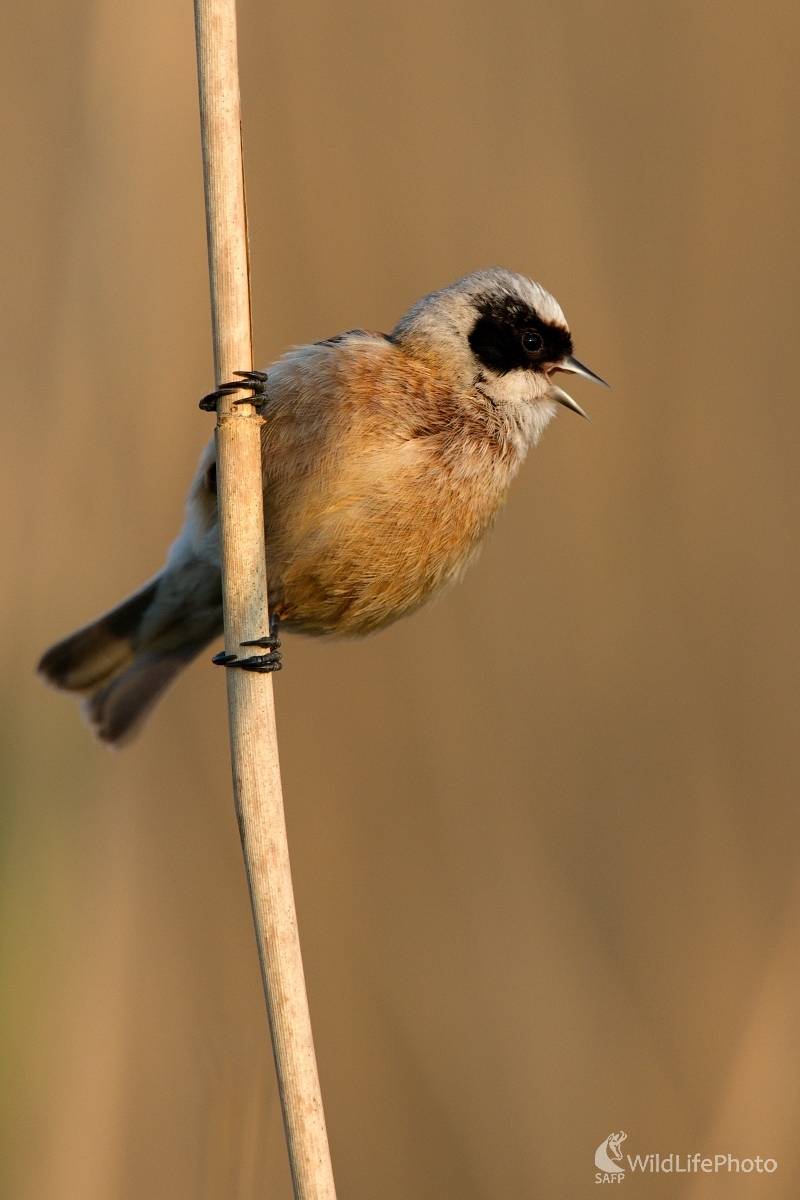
263	664
254	381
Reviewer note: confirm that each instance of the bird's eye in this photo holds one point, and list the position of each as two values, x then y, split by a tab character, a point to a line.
532	341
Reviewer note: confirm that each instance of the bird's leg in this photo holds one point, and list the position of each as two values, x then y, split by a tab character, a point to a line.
261	663
271	642
254	381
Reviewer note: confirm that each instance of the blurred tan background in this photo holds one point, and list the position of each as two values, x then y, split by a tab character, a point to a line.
545	835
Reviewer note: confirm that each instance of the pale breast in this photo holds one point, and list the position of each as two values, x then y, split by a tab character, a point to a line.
379	483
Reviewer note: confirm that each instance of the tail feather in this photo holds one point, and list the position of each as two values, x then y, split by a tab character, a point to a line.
123	662
115	713
88	658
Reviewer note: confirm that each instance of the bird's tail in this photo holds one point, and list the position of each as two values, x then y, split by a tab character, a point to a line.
122	663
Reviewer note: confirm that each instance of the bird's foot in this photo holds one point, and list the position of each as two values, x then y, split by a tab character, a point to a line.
262	663
254	381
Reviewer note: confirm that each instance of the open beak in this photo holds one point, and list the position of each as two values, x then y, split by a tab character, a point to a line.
555	393
572	367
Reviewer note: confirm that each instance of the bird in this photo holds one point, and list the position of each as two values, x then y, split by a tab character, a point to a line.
385	460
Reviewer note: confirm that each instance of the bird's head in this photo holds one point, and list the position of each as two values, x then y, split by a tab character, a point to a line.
501	332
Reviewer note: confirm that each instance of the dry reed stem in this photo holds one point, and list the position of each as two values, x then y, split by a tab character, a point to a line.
254	746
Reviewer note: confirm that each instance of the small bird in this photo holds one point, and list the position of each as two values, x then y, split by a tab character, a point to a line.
385	460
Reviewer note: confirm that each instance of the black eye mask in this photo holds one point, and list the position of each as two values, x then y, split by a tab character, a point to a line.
509	336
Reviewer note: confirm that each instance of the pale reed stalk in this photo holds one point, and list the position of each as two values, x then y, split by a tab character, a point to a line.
254	746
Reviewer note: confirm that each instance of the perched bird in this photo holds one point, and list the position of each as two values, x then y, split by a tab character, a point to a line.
385	460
